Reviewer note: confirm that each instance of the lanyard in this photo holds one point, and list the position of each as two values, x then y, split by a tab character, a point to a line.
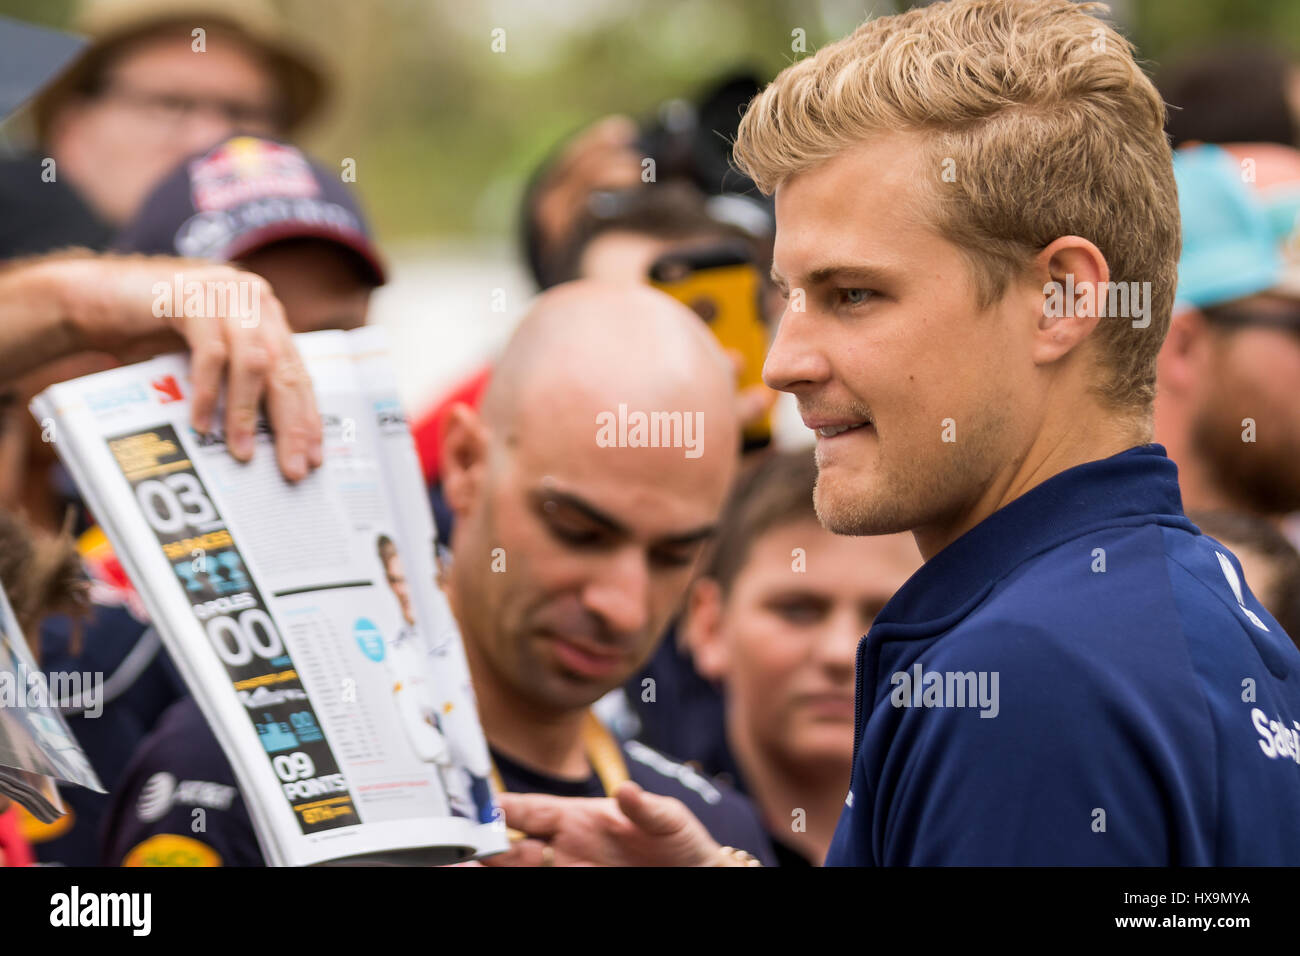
603	753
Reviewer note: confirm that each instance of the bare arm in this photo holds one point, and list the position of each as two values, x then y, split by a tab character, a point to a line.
126	305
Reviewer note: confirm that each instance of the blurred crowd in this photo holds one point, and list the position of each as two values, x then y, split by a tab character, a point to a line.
708	623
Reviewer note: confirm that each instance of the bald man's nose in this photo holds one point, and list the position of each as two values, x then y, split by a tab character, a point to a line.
793	359
620	593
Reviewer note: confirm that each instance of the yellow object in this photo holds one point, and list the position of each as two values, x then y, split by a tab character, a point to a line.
34	831
726	295
172	849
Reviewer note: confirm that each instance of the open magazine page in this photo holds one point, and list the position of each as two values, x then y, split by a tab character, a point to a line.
452	695
272	600
36	747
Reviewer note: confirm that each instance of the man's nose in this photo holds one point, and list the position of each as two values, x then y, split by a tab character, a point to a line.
621	592
836	647
204	128
793	358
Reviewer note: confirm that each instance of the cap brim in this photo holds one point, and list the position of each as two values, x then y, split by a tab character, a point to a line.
349	239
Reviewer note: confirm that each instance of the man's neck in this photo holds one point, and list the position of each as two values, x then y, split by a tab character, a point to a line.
544	740
1054	450
781	791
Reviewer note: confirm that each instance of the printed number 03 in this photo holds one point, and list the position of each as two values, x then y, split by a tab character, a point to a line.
176	501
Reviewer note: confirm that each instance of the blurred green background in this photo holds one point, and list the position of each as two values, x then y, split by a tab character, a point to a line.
445	131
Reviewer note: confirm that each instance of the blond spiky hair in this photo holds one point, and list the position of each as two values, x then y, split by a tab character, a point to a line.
1049	127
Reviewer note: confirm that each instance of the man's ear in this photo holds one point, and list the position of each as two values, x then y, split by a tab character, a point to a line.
1182	364
1074	277
702	629
463	458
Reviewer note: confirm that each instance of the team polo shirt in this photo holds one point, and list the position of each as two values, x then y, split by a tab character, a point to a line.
181	768
1082	678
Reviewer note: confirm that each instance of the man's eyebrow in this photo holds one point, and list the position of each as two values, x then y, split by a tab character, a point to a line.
848	270
563	499
689	537
857	271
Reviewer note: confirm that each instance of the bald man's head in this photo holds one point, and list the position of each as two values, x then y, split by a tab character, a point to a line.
611	342
585	489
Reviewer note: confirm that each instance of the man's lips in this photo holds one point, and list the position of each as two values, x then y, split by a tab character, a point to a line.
832	427
829	706
582	659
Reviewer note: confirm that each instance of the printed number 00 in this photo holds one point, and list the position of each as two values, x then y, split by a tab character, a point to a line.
236	643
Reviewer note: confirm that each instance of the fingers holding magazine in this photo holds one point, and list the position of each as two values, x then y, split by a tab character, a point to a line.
250	349
135	307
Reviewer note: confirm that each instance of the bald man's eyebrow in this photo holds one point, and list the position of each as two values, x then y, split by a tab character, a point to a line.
563	499
541	498
689	538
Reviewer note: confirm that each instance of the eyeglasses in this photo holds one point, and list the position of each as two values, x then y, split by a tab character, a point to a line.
174	110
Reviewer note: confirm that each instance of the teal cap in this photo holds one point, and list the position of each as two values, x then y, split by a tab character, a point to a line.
1230	241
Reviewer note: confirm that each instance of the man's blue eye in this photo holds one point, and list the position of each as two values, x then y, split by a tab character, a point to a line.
856	296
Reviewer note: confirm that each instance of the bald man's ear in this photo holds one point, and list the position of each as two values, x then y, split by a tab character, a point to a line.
702	629
1183	363
464	457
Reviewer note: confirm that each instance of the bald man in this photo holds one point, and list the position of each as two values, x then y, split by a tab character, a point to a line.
584	490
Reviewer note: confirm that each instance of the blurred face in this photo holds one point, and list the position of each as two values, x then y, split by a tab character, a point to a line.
622	256
397	581
786	640
570	558
891	352
162	101
317	282
1253	373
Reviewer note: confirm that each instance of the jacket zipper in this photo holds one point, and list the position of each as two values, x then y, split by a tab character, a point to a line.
857	706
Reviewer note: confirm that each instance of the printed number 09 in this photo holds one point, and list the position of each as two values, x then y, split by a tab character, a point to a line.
171	504
294	766
236	643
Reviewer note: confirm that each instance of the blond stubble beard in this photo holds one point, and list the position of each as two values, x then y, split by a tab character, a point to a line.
934	492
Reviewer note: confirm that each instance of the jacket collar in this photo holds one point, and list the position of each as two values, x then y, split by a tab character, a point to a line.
1137	486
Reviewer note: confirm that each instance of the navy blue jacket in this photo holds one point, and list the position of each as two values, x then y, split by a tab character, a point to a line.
1139	705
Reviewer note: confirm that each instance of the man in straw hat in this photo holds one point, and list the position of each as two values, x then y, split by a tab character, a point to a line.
158	81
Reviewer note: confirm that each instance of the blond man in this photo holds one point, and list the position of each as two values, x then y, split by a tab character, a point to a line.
1076	675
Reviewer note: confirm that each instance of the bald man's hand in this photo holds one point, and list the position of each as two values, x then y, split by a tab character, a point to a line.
134	307
635	828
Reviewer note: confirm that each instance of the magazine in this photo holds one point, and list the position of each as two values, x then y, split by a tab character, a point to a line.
305	618
36	747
